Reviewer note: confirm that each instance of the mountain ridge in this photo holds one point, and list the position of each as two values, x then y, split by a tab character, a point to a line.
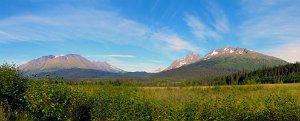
222	61
53	63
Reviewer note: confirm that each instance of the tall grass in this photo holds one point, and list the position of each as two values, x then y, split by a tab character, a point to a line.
255	102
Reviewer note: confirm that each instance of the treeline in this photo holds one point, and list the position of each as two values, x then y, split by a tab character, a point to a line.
289	73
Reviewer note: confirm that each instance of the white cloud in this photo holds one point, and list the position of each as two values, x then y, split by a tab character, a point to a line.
279	26
174	42
200	30
274	25
155	61
86	25
121	56
74	25
110	56
289	52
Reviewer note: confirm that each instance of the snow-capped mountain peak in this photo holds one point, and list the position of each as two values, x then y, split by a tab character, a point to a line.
214	53
227	51
188	59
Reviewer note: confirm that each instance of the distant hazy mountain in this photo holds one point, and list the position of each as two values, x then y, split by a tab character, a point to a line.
54	63
222	61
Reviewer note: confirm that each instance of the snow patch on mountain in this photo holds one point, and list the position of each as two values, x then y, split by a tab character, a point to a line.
57	56
214	53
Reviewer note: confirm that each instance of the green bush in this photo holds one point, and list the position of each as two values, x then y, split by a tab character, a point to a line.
13	87
49	101
81	105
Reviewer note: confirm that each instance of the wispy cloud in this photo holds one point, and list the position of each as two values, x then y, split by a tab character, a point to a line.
200	30
216	25
264	6
5	37
174	42
288	52
279	28
110	56
121	56
219	17
75	24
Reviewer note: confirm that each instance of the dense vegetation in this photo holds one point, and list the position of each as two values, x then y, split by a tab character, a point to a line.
54	99
289	73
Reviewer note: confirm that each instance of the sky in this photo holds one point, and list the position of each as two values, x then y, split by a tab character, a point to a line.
144	35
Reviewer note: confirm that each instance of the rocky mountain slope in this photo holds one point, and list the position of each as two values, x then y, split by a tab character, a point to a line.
190	58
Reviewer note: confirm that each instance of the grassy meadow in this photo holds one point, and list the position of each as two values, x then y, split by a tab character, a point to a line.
248	102
40	99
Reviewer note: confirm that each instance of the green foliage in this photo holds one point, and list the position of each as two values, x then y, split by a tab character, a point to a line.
49	101
13	87
2	113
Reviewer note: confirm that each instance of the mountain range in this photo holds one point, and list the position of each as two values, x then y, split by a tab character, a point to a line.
218	62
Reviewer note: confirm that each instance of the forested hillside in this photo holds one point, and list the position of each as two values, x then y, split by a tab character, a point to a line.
289	73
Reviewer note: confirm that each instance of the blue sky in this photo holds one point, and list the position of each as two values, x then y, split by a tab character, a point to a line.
143	35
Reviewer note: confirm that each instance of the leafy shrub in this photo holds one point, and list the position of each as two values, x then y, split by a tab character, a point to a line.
49	101
13	87
80	106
